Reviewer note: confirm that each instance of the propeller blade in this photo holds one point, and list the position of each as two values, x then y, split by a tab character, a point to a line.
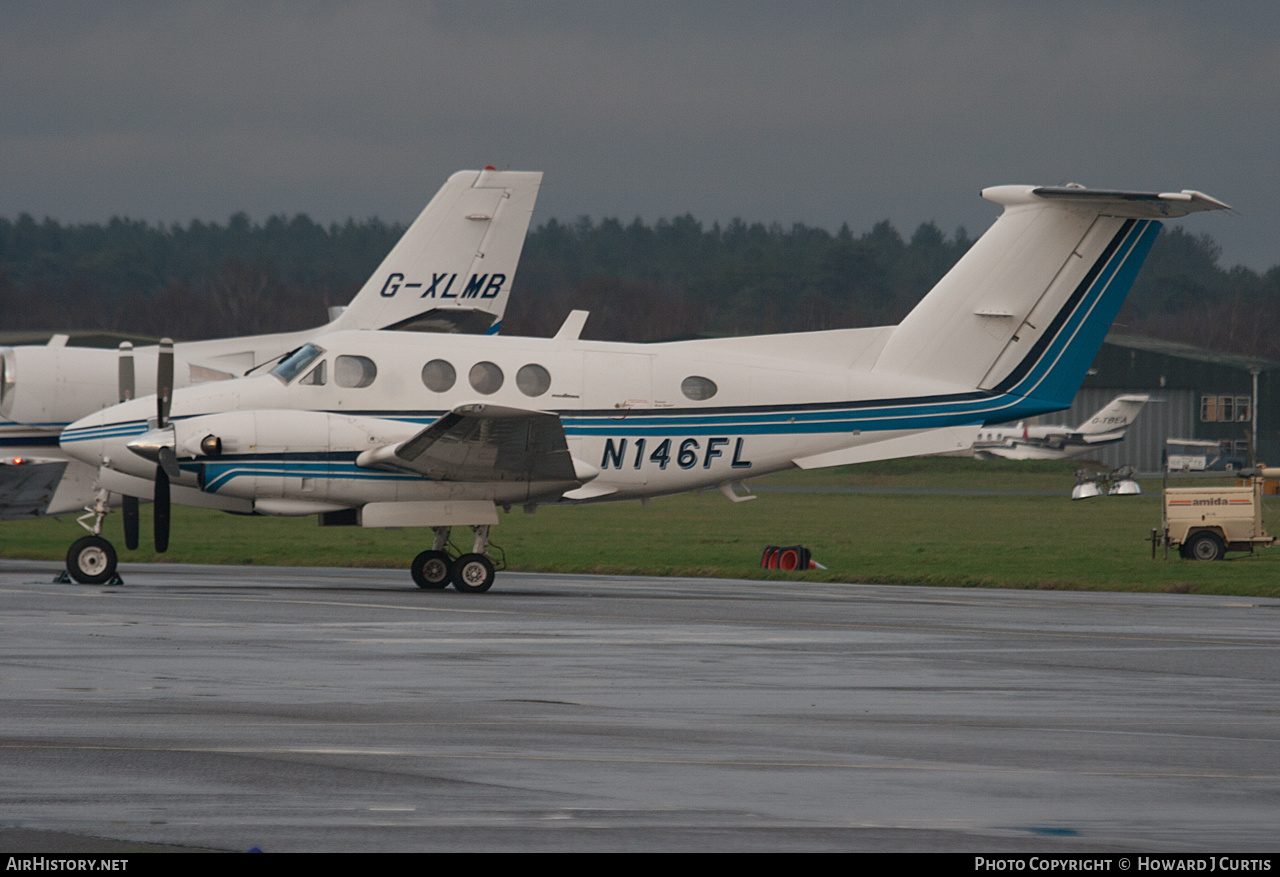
161	511
164	382
126	381
127	387
169	462
130	522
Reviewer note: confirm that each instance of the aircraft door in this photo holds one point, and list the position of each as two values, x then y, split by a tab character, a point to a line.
618	382
616	387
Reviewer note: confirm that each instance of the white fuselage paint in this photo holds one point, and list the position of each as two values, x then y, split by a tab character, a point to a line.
1009	332
622	407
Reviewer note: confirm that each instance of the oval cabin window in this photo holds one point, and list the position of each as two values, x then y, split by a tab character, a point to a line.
485	378
354	371
439	376
533	380
697	388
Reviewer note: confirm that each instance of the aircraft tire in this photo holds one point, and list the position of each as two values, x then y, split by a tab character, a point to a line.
473	574
431	570
91	560
1206	546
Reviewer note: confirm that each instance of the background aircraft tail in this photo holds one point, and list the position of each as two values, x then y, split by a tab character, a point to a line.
1026	309
453	269
1117	415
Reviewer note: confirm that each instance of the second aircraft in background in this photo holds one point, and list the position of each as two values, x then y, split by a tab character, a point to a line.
1022	442
450	272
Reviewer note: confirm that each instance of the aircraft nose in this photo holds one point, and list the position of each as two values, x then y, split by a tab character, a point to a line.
84	440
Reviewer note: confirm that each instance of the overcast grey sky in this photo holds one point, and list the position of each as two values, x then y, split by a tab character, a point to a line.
819	113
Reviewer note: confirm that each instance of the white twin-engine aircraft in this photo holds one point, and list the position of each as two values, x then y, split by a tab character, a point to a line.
1022	442
390	429
450	272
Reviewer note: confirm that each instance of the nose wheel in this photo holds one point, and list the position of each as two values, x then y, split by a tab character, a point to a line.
91	561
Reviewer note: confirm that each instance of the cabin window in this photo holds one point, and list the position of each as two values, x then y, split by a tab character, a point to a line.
293	364
315	377
533	380
697	388
439	376
485	378
354	371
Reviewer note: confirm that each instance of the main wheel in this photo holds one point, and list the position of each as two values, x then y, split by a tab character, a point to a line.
1206	546
430	570
91	560
473	574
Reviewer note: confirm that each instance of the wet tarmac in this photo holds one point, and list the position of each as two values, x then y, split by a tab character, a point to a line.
345	710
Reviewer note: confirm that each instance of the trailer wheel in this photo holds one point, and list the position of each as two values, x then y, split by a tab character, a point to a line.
1205	546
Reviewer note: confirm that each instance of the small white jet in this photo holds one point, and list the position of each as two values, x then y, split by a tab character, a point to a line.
450	272
390	429
1024	442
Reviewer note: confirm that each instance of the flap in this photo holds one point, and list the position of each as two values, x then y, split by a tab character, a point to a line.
482	443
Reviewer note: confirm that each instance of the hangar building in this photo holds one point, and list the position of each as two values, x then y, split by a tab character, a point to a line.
1202	394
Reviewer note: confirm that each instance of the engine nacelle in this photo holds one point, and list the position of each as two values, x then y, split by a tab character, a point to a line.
58	385
268	454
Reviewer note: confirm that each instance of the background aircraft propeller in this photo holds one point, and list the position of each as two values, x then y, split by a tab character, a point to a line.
168	459
157	445
127	391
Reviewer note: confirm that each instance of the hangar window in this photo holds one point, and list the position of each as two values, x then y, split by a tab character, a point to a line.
354	371
439	376
533	380
485	378
1226	409
697	388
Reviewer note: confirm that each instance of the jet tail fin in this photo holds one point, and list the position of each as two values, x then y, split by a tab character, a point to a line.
452	270
1116	415
1026	309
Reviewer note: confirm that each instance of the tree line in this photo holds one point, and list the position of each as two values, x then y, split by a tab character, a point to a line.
675	278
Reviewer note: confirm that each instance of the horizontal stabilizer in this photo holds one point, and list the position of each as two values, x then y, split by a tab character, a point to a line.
1114	202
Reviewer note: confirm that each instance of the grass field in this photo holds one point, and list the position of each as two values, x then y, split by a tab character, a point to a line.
1015	541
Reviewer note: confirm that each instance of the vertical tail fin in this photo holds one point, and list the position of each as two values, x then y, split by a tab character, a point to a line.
453	269
1116	415
1026	309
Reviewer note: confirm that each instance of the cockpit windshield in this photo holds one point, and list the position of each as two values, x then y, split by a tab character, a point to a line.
296	362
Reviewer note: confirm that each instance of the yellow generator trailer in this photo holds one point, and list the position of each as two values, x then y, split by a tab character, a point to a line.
1204	523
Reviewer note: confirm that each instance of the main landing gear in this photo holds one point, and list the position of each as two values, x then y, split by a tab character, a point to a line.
471	573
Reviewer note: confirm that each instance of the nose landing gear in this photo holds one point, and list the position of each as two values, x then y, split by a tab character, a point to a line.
91	560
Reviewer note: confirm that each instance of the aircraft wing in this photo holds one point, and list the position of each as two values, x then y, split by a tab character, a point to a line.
26	489
483	443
